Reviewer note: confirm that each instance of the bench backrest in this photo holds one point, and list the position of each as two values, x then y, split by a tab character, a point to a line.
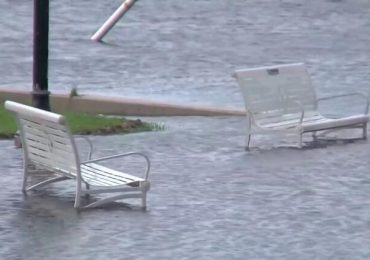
46	139
268	91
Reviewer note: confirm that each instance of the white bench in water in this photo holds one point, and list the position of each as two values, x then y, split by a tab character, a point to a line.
282	99
49	145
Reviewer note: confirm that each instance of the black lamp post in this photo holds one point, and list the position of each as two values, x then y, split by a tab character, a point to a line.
40	93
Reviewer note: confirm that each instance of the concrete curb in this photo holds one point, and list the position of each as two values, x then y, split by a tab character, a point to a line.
61	103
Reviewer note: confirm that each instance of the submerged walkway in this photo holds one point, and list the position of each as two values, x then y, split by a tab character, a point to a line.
209	200
118	106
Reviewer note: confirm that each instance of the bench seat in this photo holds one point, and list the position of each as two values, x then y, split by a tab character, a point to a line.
99	175
316	123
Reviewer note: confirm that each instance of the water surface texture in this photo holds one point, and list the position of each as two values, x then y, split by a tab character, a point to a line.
209	199
185	51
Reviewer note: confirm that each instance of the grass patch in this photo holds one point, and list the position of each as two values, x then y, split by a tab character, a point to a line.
8	126
84	124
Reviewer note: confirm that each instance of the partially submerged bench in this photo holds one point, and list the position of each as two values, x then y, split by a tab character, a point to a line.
282	99
49	145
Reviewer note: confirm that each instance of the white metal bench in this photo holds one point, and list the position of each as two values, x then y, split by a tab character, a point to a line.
49	145
282	99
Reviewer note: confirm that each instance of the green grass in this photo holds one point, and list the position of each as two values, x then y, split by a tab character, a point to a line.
8	125
84	124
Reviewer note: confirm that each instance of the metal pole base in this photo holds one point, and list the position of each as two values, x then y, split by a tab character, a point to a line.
40	99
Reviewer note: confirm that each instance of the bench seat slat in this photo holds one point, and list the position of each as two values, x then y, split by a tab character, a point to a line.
47	136
38	157
293	122
113	173
93	172
50	151
56	147
308	116
335	123
89	175
44	162
43	142
49	127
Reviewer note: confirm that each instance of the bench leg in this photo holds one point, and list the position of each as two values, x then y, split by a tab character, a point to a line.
248	141
143	200
314	137
87	195
78	195
26	169
364	131
77	201
300	140
25	175
106	200
48	181
248	132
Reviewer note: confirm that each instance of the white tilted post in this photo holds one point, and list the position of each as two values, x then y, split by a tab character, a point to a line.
104	29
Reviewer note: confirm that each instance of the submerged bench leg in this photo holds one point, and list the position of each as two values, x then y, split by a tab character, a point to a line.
87	195
314	137
48	181
143	200
364	131
248	141
77	201
78	195
300	140
25	175
106	200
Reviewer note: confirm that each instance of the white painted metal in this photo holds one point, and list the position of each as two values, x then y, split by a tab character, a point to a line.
30	112
282	98
48	144
104	29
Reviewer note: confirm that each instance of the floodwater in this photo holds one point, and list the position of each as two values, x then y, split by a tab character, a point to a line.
209	199
186	51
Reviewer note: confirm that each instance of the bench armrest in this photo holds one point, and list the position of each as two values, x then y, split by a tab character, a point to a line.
290	100
122	155
90	146
298	105
361	94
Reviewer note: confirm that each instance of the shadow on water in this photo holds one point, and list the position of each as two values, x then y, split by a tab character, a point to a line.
108	44
323	143
46	203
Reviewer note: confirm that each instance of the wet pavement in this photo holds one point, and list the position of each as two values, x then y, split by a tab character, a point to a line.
210	199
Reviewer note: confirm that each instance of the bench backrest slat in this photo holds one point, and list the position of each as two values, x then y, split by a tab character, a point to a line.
267	90
46	138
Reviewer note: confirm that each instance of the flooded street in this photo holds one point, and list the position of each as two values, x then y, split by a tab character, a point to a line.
186	51
209	199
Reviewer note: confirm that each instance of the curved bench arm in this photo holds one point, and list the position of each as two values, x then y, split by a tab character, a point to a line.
361	94
122	155
299	105
90	146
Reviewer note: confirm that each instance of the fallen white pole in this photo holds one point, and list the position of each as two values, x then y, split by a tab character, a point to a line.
104	29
